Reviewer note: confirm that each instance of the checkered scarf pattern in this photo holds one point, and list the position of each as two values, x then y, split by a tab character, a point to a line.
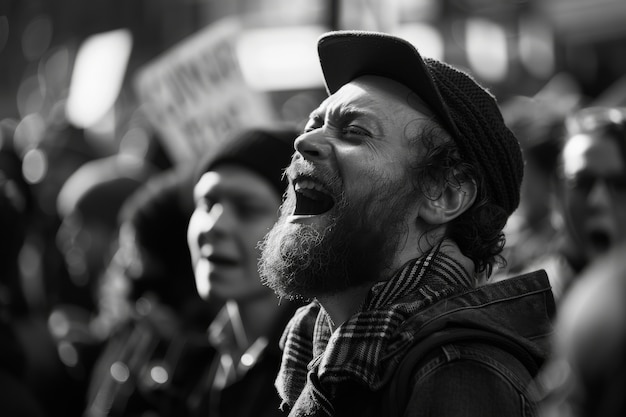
316	360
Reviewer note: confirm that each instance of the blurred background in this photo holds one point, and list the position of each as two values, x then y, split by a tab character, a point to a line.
164	80
514	47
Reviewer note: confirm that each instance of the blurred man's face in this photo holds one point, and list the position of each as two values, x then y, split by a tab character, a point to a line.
594	192
235	208
350	203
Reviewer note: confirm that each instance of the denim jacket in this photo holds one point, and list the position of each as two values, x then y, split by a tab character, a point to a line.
471	377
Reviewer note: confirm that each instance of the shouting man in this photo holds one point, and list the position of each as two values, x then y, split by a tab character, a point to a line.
399	189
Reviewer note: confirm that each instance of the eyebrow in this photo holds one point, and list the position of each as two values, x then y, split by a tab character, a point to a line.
343	112
351	112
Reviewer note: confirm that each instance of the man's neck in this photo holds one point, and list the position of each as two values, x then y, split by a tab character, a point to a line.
343	305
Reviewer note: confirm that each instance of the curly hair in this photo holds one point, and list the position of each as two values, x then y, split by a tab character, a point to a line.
479	230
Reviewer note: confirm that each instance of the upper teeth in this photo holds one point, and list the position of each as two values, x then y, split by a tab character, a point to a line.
308	185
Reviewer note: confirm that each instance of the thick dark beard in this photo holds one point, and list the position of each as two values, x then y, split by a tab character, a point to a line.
301	262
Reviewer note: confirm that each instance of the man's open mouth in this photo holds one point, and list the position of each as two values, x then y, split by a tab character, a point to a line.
311	198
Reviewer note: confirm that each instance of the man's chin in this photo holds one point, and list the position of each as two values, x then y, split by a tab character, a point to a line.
290	258
201	272
308	256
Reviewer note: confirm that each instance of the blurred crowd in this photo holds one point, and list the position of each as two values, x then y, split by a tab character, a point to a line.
104	309
103	314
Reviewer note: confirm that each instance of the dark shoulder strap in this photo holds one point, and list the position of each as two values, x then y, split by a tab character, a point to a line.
400	387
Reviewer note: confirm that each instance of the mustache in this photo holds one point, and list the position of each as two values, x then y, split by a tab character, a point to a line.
303	168
300	167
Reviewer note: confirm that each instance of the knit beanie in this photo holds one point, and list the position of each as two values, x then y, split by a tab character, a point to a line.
465	109
266	151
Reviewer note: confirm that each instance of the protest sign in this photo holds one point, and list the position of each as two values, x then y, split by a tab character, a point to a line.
195	94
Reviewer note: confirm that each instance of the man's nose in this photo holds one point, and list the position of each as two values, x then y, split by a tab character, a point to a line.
313	145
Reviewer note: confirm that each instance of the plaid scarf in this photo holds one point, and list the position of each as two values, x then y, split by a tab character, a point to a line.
366	348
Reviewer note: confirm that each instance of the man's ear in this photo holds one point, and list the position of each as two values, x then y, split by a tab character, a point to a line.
451	203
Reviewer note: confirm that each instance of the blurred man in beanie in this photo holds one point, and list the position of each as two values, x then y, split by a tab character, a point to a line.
88	204
399	189
237	197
